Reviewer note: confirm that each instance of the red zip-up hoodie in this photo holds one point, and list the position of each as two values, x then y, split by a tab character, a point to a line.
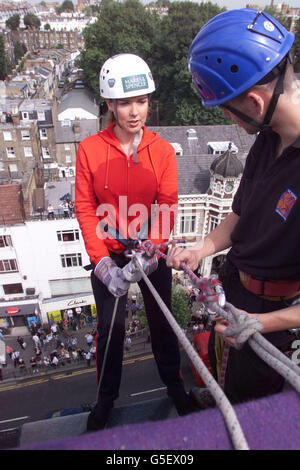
113	191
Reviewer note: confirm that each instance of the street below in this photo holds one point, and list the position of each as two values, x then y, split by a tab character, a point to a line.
42	396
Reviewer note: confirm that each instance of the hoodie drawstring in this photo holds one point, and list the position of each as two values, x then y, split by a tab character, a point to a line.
107	167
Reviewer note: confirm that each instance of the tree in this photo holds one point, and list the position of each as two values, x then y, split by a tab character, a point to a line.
67	6
3	60
180	309
31	21
297	48
163	43
121	27
47	27
19	50
13	22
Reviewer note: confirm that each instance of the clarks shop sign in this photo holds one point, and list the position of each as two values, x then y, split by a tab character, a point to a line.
76	302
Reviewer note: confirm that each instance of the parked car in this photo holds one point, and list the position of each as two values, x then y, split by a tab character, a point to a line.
79	84
200	345
61	83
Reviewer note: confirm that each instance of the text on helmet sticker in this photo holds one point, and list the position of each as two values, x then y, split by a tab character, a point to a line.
134	82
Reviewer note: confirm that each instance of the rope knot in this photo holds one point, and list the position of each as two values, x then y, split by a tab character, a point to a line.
242	328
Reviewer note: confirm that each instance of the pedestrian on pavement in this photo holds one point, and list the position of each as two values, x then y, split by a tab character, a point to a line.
36	340
21	366
33	364
88	358
241	61
9	351
21	342
54	329
89	339
15	357
126	146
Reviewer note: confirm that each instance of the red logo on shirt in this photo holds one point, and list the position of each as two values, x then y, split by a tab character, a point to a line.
285	203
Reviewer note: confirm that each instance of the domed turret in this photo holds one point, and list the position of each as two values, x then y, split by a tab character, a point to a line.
227	165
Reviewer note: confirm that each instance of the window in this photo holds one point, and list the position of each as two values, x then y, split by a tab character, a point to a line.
45	152
5	240
68	235
7	135
68	261
67	147
41	115
10	151
13	289
8	265
187	224
68	159
25	115
43	134
13	168
28	152
213	223
25	135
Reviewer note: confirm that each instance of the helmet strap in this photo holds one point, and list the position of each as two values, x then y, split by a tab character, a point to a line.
278	90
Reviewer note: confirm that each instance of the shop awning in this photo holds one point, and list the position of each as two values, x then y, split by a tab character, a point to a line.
15	310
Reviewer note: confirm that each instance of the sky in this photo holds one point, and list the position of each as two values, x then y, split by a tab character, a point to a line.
229	4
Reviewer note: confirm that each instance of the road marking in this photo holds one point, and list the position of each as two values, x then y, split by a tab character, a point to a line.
14	419
148	391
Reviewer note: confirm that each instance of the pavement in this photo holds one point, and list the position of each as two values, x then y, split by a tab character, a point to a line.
10	373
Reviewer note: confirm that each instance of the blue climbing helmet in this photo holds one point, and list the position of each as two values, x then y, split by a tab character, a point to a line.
236	50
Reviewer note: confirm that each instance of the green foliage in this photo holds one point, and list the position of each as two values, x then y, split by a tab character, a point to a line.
3	59
47	27
296	48
18	50
180	309
67	6
31	21
13	22
163	43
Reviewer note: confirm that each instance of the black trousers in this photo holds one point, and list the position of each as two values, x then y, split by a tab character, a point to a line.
164	341
247	376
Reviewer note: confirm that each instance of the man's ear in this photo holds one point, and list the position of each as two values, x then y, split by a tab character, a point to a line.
257	102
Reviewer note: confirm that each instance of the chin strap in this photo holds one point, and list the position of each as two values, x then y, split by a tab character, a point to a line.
280	71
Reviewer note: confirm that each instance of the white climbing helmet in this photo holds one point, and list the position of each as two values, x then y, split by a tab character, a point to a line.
125	76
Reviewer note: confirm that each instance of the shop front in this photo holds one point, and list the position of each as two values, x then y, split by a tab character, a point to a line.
61	308
18	315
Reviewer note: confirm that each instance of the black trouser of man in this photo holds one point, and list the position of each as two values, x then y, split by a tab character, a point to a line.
247	376
164	342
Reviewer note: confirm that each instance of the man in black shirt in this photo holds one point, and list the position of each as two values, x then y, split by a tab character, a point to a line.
240	60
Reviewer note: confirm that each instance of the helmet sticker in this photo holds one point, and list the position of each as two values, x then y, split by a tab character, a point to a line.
135	82
269	26
111	82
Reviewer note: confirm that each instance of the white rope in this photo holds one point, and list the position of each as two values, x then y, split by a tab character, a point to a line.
233	425
263	348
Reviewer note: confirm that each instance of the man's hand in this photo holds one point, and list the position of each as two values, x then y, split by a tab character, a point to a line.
177	255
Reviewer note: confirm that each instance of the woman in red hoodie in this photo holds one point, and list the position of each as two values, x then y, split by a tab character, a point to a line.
126	188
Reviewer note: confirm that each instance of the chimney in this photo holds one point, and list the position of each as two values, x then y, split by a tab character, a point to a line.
76	127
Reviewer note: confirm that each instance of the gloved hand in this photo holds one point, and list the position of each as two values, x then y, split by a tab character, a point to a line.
131	272
111	275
